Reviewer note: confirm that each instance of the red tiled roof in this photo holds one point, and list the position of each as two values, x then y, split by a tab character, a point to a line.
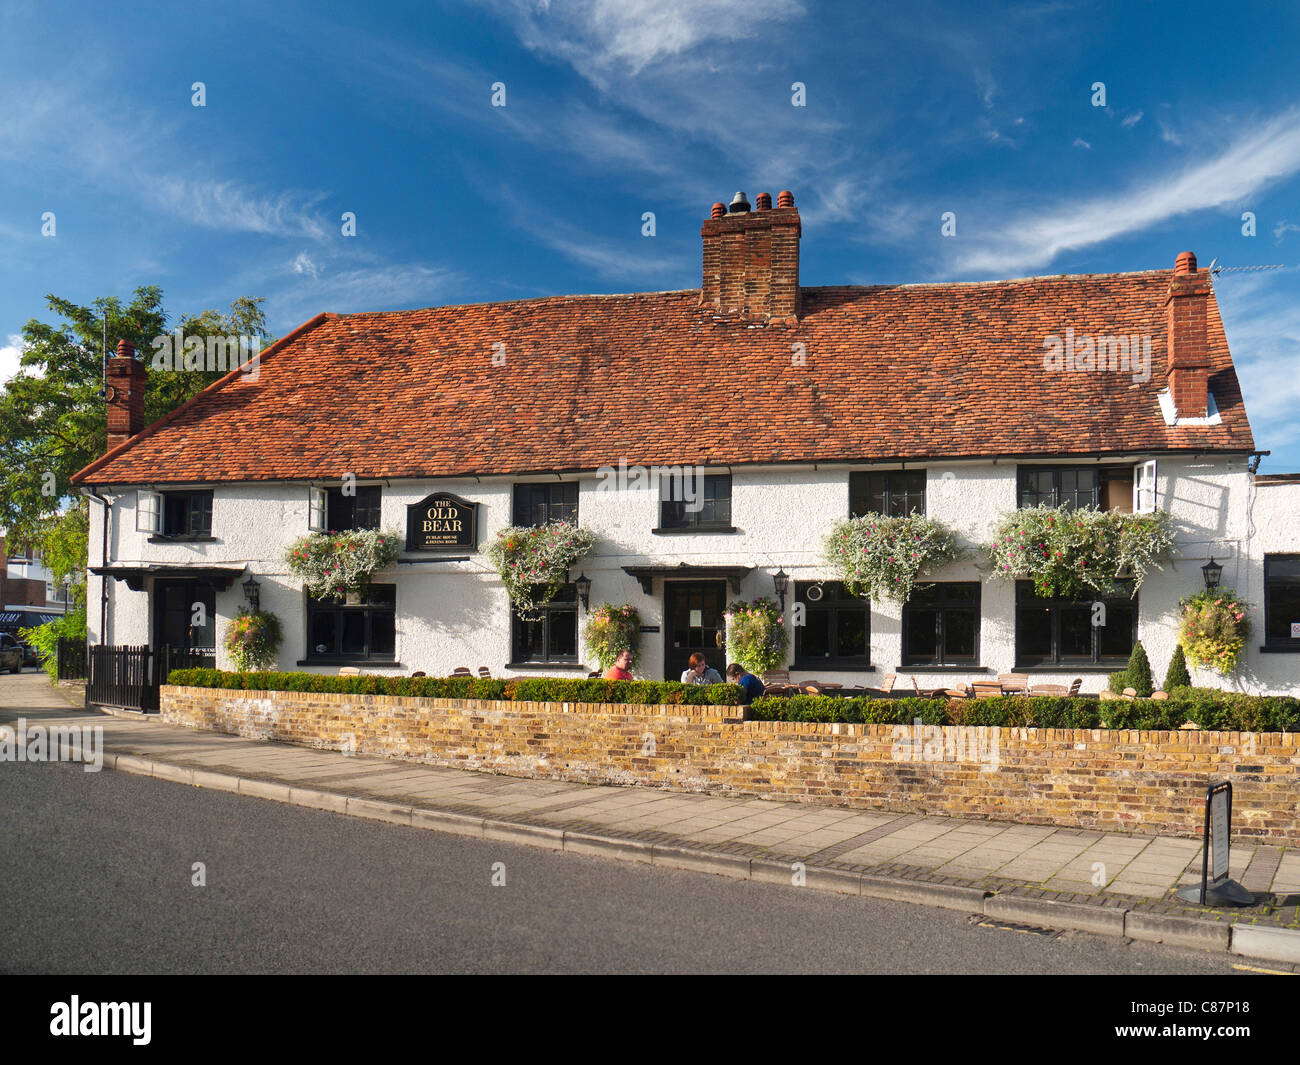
911	372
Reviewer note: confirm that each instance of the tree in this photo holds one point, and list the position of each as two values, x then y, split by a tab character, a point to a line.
1178	677
1139	671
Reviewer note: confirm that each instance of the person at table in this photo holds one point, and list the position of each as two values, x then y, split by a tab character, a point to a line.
749	684
622	667
700	672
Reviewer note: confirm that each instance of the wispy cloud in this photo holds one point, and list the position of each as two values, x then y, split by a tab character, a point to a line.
1283	228
1129	121
1267	154
1079	142
233	207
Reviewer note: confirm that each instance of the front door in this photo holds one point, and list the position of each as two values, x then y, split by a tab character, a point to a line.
185	618
692	621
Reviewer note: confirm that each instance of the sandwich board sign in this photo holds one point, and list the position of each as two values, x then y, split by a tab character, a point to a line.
1216	888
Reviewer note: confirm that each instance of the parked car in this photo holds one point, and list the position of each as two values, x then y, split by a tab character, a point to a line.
11	654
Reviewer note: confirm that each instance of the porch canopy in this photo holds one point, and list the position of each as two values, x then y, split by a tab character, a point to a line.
134	576
682	571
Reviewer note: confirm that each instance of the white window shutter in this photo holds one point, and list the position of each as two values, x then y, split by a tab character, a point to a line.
316	507
148	511
1144	487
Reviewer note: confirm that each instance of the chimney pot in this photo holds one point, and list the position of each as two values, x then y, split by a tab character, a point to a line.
751	261
125	349
739	204
719	210
764	201
1185	263
785	198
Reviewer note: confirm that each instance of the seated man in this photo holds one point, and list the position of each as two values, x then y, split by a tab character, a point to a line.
750	684
700	672
622	667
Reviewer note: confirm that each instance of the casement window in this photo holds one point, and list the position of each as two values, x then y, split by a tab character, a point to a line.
1144	487
175	515
362	626
1282	602
708	508
357	509
836	629
1065	632
941	625
317	509
539	504
894	493
553	634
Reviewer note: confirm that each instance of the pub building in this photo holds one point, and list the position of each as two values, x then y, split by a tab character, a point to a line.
799	406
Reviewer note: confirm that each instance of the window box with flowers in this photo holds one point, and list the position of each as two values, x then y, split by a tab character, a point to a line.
1213	629
533	562
1080	553
756	635
334	564
883	557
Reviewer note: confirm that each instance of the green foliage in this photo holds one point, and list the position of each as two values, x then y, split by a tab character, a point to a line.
756	635
1139	671
253	639
610	630
333	564
1177	676
533	561
882	558
1214	628
45	638
1118	681
523	689
1076	554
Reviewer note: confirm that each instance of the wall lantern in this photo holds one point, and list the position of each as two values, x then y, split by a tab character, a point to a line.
252	592
1212	572
584	591
781	582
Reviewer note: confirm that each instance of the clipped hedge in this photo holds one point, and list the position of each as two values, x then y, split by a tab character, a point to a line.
1209	708
522	689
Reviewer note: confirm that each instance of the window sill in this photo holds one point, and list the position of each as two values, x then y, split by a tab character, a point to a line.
381	663
1067	668
942	669
716	530
830	667
162	538
547	665
1280	650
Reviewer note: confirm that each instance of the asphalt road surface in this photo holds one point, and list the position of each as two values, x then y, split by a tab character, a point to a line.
97	876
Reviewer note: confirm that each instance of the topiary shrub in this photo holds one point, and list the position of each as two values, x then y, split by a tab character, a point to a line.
1178	676
1118	681
1139	671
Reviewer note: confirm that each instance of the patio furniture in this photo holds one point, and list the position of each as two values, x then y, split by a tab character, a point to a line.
1014	683
1159	695
958	693
1075	686
926	693
985	689
484	672
461	671
419	673
1048	689
776	676
349	671
886	687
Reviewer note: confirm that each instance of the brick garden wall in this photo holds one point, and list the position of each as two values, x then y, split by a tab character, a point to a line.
1116	780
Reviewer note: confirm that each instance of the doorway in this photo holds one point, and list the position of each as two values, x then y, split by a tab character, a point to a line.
692	621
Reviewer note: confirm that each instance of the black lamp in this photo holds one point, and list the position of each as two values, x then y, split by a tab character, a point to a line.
1212	571
781	582
584	591
251	592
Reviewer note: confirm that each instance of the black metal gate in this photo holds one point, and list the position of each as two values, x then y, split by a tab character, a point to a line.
129	677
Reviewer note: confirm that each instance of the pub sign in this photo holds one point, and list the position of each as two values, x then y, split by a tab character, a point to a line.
442	522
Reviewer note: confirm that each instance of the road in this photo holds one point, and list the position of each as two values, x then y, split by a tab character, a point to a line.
96	877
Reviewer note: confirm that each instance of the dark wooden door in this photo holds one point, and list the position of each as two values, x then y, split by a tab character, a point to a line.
175	617
692	621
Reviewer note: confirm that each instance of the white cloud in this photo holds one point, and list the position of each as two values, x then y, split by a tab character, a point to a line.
233	207
1283	227
1131	120
303	264
1079	142
9	356
1270	152
1168	134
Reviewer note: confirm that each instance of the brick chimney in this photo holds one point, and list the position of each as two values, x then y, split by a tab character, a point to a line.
126	378
751	260
1188	342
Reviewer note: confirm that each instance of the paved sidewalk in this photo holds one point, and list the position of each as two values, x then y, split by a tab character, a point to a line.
966	859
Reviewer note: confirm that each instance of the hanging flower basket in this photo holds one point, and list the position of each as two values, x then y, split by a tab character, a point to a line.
611	630
756	635
253	639
1213	629
883	558
534	561
333	564
1082	553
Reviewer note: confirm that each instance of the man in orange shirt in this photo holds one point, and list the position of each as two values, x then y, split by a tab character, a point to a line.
622	667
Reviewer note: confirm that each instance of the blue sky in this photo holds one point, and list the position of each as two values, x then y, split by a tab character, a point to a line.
617	107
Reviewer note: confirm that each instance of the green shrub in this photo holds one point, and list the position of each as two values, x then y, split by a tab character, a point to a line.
1118	681
1178	676
1139	671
